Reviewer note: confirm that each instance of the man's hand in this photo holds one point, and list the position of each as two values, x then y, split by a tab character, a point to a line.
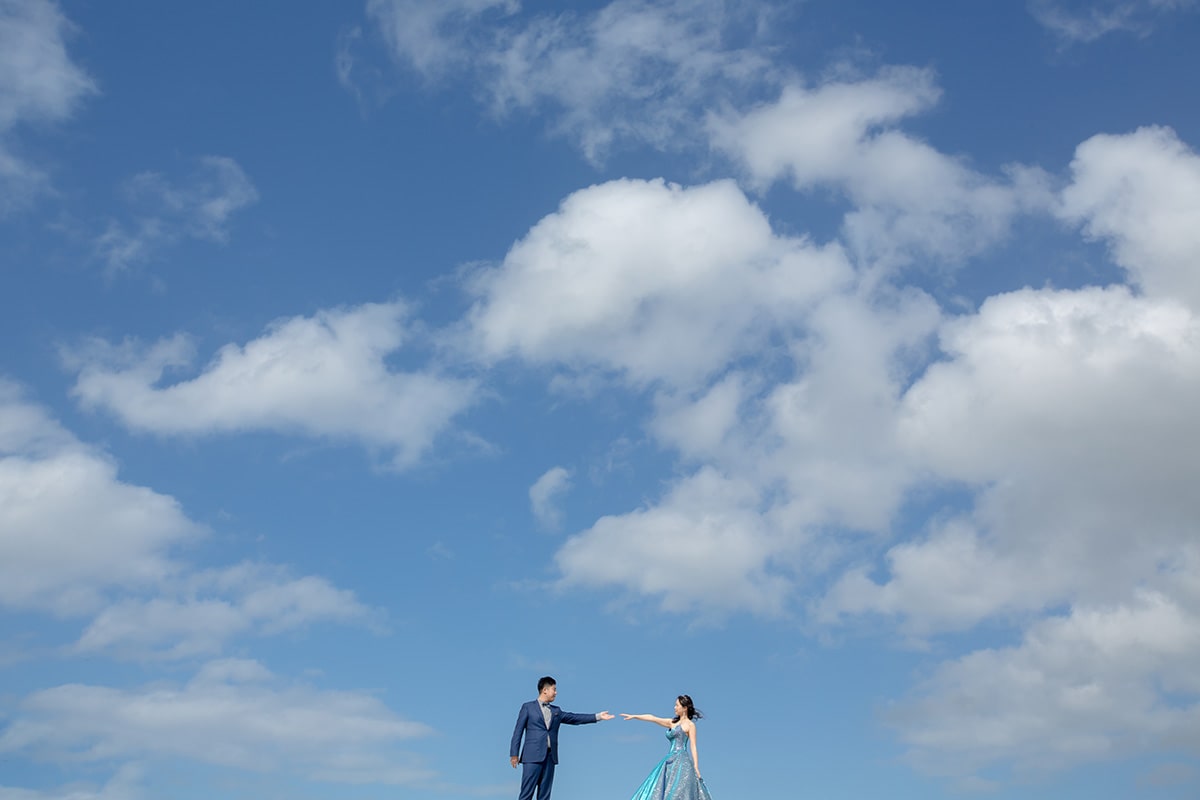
513	759
604	715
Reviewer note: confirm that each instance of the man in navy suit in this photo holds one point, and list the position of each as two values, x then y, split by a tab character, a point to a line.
538	721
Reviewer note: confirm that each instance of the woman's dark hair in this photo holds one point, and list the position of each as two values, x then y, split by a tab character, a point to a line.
688	708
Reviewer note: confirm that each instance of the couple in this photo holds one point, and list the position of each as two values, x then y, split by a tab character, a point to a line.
676	777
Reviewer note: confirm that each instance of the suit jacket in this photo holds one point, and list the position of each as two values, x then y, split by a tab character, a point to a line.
532	725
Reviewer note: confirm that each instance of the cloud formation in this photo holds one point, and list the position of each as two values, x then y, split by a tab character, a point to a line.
39	85
326	376
631	71
654	282
70	529
704	548
1140	194
198	613
1098	684
232	713
77	541
908	201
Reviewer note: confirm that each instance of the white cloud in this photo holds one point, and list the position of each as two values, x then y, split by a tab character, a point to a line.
822	440
544	496
326	376
594	71
672	287
786	469
198	207
39	84
76	541
1088	20
233	713
70	529
1070	415
1140	193
1067	420
653	281
1098	684
908	199
701	425
705	548
200	612
831	438
811	136
432	37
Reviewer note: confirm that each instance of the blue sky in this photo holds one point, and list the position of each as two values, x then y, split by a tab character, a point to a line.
833	363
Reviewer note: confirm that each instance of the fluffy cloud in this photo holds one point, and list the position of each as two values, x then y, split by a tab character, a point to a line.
1140	193
907	198
786	469
670	287
825	437
38	84
654	281
1070	415
595	71
831	439
70	529
77	541
199	207
233	713
704	548
1066	421
326	376
1100	683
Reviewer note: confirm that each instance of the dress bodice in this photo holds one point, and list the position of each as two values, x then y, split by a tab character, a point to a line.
678	738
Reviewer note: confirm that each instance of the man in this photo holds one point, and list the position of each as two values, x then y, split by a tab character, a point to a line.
538	721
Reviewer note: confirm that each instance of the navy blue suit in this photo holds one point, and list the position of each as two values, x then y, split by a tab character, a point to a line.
540	753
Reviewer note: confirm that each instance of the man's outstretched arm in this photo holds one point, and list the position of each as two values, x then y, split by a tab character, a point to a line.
570	718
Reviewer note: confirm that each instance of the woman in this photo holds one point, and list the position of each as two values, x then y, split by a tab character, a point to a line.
677	776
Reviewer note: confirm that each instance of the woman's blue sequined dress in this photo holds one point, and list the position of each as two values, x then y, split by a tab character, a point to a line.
675	776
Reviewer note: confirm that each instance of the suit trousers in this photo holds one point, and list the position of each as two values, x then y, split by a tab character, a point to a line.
539	776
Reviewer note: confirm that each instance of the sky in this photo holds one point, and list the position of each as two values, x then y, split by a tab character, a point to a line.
834	363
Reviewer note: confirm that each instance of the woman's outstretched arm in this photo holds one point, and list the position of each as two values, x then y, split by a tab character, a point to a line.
666	723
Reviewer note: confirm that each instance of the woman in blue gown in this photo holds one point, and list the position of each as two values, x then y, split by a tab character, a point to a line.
677	776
